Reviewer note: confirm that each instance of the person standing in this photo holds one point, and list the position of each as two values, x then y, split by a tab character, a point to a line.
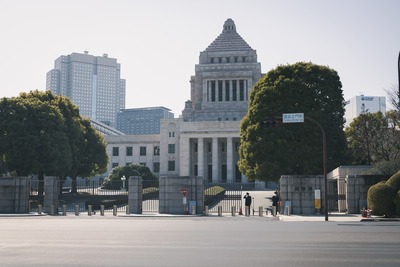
275	201
247	203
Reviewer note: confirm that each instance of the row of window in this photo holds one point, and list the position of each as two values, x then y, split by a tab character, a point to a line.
227	90
143	150
227	59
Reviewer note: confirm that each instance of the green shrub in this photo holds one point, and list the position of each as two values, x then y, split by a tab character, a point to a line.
381	199
397	203
394	181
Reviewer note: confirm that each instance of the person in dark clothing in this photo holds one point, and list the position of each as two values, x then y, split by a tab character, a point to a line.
275	201
247	203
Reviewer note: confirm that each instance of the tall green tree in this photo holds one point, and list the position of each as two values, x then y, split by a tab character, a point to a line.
266	151
374	137
33	139
43	133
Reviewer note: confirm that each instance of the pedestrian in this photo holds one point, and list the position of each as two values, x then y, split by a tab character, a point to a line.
247	203
275	201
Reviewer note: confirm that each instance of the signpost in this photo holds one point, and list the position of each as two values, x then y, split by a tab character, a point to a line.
299	118
184	192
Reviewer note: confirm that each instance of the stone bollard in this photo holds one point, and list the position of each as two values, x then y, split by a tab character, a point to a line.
64	210
89	212
206	212
220	211
115	210
233	210
76	210
247	211
127	210
102	210
193	211
260	211
40	209
274	211
52	212
287	210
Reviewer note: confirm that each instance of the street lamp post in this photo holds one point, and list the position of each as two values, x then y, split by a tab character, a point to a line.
299	118
324	164
123	179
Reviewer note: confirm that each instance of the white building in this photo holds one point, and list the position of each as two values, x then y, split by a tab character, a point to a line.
363	104
205	140
92	83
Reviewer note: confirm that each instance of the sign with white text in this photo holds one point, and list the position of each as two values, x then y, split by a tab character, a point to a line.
293	117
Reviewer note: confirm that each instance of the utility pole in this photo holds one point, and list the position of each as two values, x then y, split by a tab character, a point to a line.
398	72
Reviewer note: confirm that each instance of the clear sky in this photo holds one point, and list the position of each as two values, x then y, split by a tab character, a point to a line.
157	42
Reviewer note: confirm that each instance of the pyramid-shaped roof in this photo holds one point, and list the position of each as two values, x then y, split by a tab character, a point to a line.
228	40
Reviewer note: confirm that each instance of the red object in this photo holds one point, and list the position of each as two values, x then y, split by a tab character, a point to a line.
184	191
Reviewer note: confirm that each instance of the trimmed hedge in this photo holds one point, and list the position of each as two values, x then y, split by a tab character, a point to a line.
394	181
381	199
397	200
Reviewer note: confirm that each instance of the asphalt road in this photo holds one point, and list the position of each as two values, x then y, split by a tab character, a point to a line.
194	241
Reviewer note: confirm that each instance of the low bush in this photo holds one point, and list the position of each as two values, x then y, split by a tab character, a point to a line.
381	199
394	181
397	203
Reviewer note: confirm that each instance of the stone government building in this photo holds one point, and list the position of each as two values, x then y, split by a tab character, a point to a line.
204	141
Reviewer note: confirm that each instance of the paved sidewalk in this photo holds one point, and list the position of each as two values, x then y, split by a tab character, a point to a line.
332	217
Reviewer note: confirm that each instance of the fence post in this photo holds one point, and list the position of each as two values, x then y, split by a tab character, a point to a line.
102	210
64	210
115	210
76	210
206	212
260	211
219	210
90	210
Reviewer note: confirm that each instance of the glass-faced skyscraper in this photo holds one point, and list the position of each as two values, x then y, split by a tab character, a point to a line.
93	83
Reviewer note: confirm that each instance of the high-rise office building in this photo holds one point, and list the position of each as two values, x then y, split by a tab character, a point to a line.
93	83
363	104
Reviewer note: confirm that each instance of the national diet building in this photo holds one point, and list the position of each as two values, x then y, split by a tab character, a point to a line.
204	140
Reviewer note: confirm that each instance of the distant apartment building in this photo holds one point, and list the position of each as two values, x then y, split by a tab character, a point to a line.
137	121
363	104
93	83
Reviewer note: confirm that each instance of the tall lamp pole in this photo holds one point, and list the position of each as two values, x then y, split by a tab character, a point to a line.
299	118
324	163
398	72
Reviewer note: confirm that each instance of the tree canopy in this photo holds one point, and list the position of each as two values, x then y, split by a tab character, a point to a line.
43	133
269	148
115	175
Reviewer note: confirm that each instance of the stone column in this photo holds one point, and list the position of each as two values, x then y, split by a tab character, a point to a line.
51	190
135	194
200	157
229	159
215	159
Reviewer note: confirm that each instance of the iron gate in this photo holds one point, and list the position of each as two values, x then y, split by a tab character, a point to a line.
224	194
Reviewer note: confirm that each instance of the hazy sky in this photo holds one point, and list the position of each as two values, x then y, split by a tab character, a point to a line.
158	43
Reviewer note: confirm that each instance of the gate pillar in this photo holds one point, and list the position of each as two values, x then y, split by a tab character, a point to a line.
51	189
135	194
